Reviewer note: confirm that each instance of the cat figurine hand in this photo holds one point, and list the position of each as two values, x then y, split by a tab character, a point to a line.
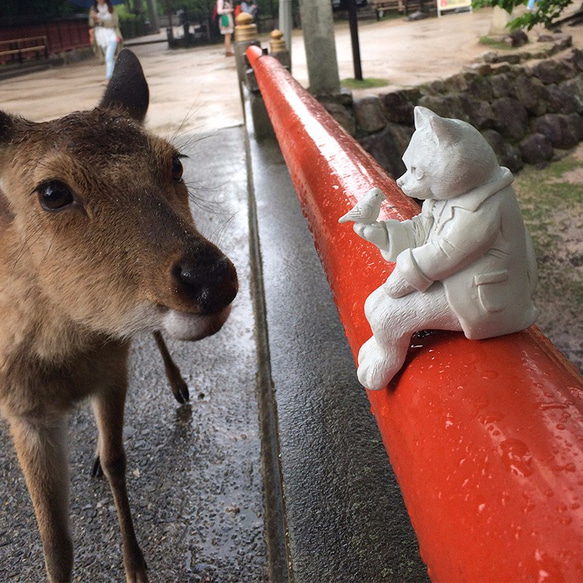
465	263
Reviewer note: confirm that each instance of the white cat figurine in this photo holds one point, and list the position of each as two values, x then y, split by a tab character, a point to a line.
465	263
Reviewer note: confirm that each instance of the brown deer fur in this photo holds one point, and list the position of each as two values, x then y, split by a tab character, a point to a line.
97	243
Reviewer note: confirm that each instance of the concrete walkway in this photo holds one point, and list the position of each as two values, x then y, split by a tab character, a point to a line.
275	472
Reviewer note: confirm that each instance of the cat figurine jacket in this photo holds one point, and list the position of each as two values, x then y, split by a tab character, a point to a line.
466	262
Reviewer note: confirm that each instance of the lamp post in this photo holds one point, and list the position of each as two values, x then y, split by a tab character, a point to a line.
353	20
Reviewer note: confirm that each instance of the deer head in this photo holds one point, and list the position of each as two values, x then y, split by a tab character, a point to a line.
94	218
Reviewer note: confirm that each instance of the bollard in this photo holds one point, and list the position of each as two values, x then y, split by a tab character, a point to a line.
245	36
278	49
485	437
245	28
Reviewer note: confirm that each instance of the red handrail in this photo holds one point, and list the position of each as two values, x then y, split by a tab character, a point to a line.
485	437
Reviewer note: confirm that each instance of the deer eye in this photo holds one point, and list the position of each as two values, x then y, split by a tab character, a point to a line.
54	195
177	169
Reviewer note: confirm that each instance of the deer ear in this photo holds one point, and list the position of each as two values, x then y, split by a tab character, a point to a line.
127	87
7	124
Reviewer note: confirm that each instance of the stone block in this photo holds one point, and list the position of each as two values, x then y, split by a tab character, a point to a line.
561	99
445	105
342	115
535	149
479	88
382	147
575	57
551	71
401	136
478	113
506	154
437	87
458	83
502	85
510	118
517	38
575	88
368	113
575	123
558	129
532	93
398	108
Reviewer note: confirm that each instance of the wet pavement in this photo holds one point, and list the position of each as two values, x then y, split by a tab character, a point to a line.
344	514
275	471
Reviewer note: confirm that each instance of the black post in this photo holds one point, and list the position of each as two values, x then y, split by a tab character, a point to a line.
169	30
353	19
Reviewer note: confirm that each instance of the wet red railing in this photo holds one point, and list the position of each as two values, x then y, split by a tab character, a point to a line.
485	437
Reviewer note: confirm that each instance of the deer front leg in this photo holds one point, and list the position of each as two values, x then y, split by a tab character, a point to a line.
40	446
108	407
178	385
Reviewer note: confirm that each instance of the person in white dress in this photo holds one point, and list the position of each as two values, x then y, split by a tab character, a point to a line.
103	19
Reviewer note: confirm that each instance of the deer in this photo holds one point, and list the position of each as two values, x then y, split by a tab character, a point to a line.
97	245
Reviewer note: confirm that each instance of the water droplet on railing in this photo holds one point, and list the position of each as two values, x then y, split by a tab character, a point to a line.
516	457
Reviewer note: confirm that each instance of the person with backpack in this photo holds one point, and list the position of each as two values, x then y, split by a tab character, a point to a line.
249	8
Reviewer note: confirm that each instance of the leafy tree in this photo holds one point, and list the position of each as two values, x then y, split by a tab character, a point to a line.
194	8
545	12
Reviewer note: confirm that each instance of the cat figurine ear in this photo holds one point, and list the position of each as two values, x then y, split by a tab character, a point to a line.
445	131
423	117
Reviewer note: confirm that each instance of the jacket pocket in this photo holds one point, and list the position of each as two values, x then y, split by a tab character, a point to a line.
492	290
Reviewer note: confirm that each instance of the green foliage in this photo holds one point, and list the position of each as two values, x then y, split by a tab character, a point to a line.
194	8
546	12
124	13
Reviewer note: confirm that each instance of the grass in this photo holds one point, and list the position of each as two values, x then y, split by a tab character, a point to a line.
366	83
495	44
552	206
545	192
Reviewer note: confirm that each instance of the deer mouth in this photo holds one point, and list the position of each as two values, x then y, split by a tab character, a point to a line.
185	326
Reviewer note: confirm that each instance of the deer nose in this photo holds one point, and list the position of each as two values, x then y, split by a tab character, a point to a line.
208	281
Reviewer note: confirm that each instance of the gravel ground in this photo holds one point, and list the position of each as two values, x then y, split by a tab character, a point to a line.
552	203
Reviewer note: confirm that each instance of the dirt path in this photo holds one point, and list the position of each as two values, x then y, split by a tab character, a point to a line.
196	89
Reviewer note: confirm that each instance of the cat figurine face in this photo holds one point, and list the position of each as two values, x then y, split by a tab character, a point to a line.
445	158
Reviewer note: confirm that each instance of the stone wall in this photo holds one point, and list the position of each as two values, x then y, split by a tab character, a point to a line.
529	113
